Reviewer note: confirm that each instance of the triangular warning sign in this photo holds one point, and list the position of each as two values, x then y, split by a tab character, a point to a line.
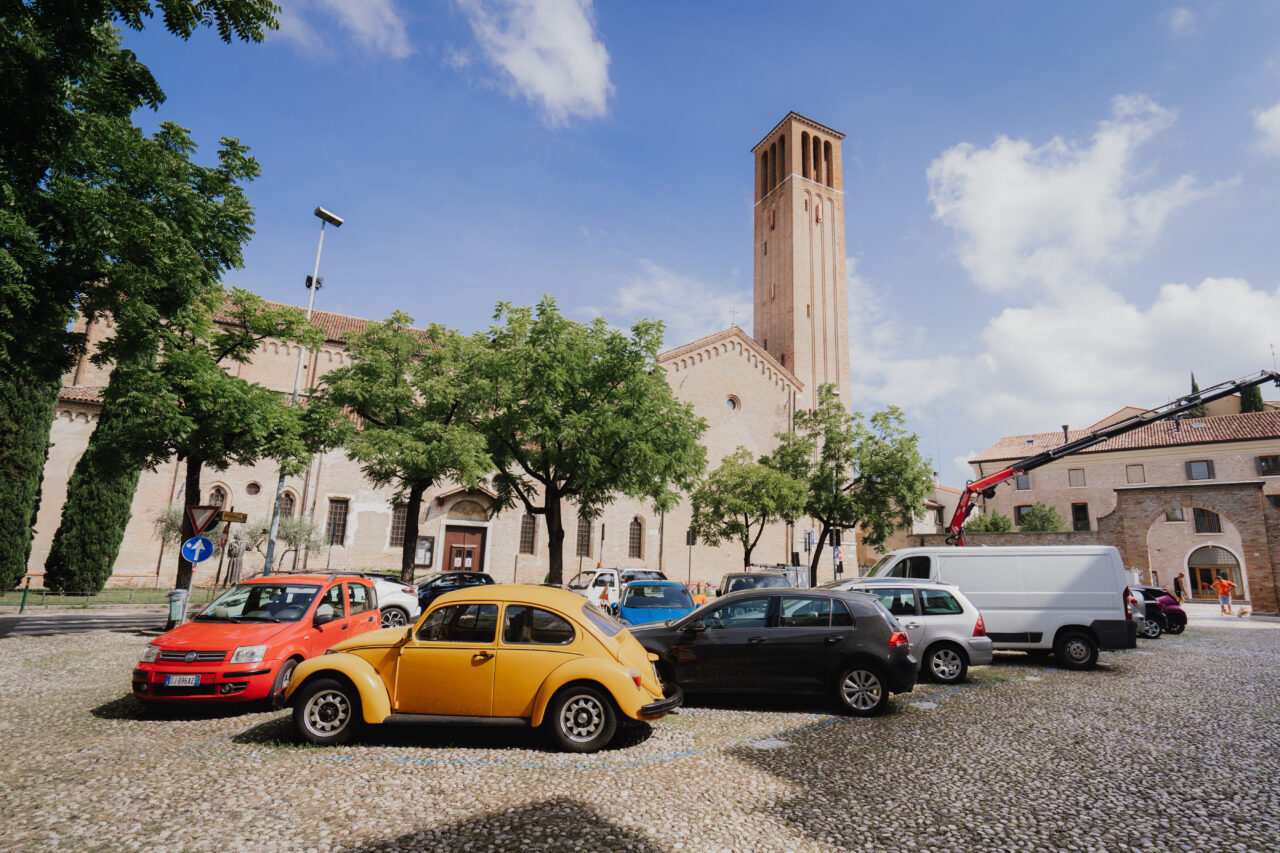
202	516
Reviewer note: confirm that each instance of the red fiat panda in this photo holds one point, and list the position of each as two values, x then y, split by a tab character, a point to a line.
246	643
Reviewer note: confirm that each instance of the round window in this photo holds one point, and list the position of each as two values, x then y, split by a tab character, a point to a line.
253	488
732	404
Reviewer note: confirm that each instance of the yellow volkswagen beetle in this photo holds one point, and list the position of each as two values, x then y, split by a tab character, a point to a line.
495	655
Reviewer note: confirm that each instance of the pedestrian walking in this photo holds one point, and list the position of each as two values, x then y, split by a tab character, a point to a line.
1179	590
1223	588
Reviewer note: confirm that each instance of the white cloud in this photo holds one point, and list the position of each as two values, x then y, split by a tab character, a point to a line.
1182	21
1052	224
549	52
688	308
374	25
1056	216
1267	121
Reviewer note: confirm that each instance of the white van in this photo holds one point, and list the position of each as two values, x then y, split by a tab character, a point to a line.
1070	599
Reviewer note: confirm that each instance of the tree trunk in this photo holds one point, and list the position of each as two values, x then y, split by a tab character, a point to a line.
191	497
555	538
817	553
409	551
26	413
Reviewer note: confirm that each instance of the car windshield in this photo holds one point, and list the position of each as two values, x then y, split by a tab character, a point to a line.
581	580
261	602
757	582
880	564
642	575
656	595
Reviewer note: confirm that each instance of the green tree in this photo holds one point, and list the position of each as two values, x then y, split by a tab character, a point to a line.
187	406
294	532
418	397
742	497
68	94
1199	411
1042	518
993	523
1251	399
861	473
583	412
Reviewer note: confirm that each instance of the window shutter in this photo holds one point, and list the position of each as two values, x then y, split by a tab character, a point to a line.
1257	460
1188	467
1209	464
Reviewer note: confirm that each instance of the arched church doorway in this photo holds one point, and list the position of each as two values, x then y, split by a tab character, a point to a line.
1209	562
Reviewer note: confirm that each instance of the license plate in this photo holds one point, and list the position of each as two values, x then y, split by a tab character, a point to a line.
181	680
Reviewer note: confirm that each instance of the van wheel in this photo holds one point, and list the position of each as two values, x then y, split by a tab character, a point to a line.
1076	650
946	663
862	691
1150	629
327	712
581	718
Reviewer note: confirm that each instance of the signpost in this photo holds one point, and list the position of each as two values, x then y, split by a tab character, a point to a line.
229	516
201	517
197	549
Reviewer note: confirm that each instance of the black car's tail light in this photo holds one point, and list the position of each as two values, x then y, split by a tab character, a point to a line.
898	638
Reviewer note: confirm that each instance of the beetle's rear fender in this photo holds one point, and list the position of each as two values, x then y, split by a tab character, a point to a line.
374	700
629	697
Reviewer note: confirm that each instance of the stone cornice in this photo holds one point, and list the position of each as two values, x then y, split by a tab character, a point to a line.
797	117
709	346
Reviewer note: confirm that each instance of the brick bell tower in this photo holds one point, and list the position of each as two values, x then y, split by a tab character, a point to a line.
801	298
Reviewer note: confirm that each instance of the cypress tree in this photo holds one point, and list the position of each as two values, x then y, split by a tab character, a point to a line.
1251	400
24	447
1199	411
99	496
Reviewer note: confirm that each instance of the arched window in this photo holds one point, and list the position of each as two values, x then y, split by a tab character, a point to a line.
804	154
773	165
764	173
635	541
1209	563
217	497
584	537
286	505
827	171
817	159
528	533
782	158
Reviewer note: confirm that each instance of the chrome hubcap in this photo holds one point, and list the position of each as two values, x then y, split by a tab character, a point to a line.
945	664
1077	651
327	713
582	718
393	619
1151	628
861	690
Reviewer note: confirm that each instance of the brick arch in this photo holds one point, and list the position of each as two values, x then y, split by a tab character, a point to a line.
1242	503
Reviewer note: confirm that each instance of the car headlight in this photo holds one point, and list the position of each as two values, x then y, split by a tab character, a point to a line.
150	653
248	654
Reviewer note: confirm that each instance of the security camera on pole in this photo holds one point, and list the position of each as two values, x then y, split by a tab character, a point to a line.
313	284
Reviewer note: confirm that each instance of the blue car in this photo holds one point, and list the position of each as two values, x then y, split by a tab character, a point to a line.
643	602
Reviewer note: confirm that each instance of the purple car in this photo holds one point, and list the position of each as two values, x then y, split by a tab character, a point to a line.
1164	613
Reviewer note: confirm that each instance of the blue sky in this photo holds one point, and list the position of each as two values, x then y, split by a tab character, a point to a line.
1053	210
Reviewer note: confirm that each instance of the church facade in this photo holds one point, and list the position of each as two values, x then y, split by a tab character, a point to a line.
747	387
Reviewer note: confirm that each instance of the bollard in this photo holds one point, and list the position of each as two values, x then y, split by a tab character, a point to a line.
26	589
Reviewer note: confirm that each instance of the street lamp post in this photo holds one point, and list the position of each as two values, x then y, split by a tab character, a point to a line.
313	284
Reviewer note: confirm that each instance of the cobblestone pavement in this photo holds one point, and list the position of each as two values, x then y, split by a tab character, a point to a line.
1172	746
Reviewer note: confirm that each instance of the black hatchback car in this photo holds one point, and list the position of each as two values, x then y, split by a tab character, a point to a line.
842	644
438	584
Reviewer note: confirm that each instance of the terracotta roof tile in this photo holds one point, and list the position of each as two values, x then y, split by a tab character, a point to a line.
335	326
80	394
1243	427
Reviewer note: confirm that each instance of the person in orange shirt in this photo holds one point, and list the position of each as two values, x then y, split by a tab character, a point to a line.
1223	588
699	594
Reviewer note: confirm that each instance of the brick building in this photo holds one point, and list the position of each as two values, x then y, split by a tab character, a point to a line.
746	387
1195	496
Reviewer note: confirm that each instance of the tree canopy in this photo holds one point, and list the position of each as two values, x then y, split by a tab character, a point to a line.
582	412
867	474
419	396
739	499
1042	518
1251	400
992	523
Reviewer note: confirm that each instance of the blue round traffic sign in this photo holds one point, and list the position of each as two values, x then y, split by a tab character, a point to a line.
197	549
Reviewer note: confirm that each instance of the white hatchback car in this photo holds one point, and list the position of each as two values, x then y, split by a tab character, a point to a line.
397	601
946	631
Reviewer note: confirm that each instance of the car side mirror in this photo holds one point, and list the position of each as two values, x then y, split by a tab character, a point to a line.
695	627
408	635
613	608
324	615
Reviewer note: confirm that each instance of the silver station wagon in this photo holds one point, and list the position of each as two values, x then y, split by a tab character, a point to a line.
946	631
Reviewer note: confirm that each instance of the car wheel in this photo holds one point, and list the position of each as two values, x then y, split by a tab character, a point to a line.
282	681
327	712
946	663
394	617
581	718
862	691
1176	627
1150	629
1076	650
